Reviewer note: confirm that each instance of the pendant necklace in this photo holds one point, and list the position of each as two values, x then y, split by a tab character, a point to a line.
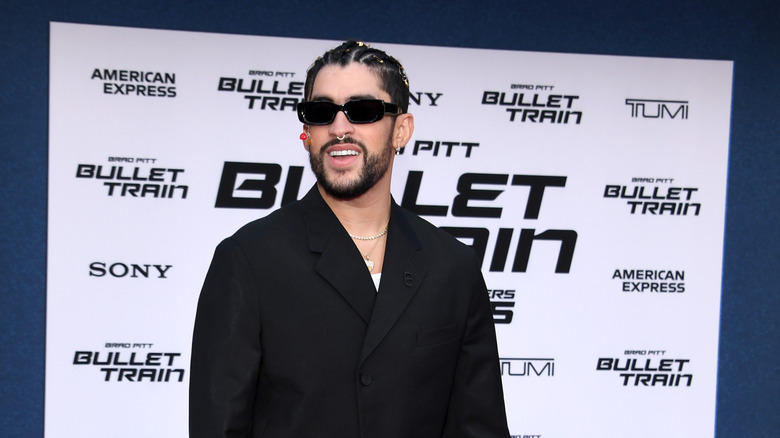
367	256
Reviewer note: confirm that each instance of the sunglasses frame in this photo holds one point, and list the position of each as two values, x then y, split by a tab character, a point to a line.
387	108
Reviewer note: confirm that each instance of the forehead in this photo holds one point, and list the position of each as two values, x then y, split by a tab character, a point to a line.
340	84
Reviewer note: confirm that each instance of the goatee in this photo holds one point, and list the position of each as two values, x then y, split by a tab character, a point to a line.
374	168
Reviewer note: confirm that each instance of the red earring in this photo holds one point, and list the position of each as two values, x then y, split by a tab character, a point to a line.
303	136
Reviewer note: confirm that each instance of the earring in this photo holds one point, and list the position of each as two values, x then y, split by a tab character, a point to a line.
306	138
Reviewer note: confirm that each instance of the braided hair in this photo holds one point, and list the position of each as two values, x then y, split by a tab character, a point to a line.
391	73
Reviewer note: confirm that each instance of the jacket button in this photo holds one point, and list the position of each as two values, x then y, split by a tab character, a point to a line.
365	379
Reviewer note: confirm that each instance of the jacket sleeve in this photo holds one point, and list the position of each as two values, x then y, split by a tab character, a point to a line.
226	351
476	408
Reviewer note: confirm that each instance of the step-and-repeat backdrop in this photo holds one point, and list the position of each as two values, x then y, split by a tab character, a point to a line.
593	188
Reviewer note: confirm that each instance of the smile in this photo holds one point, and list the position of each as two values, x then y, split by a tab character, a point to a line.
342	153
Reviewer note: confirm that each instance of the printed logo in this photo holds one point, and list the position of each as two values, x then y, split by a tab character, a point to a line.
658	109
136	181
527	367
648	368
654	281
655	197
128	270
123	362
260	185
274	91
536	104
136	83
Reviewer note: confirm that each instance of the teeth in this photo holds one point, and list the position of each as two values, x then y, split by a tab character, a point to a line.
342	153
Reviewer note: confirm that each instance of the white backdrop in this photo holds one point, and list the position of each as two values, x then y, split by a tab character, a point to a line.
593	185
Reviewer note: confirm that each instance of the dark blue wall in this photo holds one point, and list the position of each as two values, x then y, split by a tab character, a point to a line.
747	32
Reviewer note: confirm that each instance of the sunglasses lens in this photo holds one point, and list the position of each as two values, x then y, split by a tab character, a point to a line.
317	113
364	111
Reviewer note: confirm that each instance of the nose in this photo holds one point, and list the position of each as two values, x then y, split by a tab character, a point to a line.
340	126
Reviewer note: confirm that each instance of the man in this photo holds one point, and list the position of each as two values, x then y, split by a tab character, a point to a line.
292	339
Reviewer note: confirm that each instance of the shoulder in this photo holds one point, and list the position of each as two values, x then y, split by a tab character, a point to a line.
266	244
287	221
275	222
432	238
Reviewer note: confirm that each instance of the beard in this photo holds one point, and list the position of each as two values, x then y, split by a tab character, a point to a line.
375	166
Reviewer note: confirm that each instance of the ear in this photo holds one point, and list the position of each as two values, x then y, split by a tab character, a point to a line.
404	128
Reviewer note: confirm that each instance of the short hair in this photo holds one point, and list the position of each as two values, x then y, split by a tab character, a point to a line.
391	73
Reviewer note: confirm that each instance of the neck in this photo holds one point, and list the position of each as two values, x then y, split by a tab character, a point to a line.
365	215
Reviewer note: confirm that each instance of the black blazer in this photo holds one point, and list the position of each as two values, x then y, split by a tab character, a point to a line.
292	340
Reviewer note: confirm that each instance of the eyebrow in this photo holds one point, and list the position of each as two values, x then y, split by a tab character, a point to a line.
351	98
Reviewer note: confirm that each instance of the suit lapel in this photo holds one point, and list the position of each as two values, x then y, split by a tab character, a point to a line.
338	255
402	274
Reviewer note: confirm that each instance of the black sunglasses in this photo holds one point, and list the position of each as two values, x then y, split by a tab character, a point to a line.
357	111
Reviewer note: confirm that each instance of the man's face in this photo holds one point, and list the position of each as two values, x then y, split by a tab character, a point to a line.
350	167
